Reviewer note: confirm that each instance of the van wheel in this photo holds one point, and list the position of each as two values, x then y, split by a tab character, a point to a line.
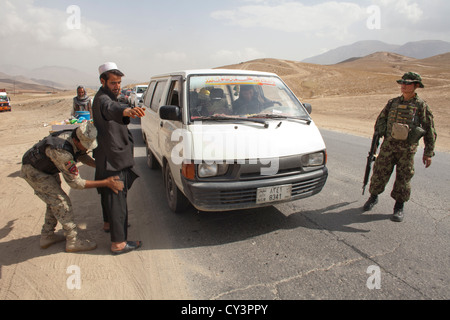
175	198
151	160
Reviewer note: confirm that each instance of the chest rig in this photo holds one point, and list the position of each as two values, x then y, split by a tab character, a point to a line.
402	118
38	159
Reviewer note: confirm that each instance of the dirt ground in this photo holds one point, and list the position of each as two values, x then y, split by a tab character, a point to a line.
27	272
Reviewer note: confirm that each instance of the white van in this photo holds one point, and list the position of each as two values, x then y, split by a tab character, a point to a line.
230	139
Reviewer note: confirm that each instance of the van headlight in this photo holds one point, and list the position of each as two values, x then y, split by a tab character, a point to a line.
314	159
205	170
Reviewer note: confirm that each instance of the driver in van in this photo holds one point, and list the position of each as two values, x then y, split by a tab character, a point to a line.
248	102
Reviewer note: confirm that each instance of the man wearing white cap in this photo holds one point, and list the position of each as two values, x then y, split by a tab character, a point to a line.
114	155
41	166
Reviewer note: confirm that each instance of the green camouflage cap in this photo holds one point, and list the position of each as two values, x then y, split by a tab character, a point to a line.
411	77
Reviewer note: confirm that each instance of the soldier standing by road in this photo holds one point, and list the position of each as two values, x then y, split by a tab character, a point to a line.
402	123
41	166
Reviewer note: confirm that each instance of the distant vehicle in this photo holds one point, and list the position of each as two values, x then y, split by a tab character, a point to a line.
136	95
124	96
231	140
4	101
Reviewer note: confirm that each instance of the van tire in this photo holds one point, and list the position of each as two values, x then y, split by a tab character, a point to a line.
177	201
151	160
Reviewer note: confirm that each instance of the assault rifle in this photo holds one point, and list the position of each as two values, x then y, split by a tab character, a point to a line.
371	158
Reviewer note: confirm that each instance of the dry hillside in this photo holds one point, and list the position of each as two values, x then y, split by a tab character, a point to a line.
349	96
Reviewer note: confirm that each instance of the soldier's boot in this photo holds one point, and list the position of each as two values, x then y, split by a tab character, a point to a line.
373	200
74	243
398	215
49	239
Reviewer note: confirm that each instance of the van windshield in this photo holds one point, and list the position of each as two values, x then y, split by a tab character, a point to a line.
238	96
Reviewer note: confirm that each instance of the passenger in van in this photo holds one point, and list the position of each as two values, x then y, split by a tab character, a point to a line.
218	103
203	101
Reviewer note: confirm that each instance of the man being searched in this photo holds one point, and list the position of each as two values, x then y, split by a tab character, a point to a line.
41	166
402	123
114	155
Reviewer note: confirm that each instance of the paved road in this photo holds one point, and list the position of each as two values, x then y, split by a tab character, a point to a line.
318	248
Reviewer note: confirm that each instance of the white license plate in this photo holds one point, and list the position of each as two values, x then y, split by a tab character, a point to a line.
274	194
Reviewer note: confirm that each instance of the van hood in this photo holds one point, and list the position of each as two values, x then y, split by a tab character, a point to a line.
215	141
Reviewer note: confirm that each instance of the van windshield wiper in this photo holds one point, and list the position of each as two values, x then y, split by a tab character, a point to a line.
222	118
282	117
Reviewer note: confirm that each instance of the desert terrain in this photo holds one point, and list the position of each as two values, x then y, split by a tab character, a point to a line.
346	97
349	96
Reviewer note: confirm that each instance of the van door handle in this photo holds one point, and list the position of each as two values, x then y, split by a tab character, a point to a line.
161	124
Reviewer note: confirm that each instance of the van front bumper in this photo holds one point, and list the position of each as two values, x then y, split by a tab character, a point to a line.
236	195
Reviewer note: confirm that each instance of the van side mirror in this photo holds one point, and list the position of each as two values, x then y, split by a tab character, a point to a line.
170	113
308	107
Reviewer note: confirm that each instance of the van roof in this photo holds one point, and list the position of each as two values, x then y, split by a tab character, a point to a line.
187	73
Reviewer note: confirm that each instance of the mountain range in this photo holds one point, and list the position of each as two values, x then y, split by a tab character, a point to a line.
49	78
418	50
64	78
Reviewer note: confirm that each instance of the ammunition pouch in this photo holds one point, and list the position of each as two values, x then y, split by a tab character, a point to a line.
400	131
415	135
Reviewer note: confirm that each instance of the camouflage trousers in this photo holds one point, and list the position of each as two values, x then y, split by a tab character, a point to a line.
59	207
394	154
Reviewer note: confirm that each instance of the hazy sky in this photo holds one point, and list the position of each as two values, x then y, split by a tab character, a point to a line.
151	37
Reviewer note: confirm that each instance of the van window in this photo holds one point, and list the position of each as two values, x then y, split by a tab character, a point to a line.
148	94
233	96
174	94
141	89
156	101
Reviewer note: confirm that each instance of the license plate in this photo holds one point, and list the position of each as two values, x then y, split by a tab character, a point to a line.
274	194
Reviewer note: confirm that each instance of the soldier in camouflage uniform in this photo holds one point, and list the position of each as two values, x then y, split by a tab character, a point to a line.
41	166
402	123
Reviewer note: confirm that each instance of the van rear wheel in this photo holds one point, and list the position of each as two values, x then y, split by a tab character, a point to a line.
175	198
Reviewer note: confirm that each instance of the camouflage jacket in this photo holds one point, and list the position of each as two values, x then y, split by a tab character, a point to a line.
66	164
423	118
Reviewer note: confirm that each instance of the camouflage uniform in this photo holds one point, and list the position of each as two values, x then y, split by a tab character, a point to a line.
401	153
59	207
402	124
